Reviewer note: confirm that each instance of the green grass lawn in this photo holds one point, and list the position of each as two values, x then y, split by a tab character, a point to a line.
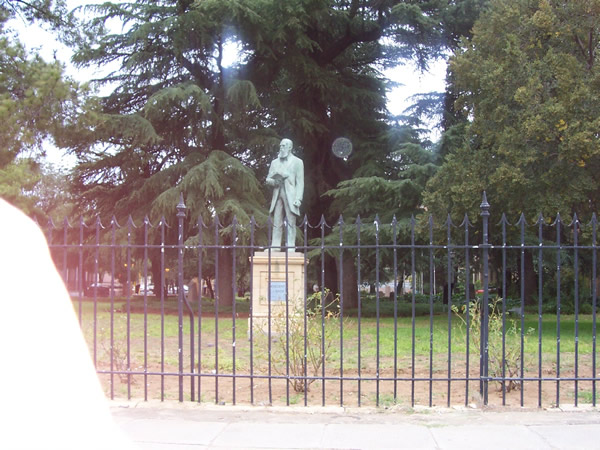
369	346
428	336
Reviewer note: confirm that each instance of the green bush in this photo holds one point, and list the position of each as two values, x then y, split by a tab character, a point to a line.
386	309
289	349
510	358
419	298
567	306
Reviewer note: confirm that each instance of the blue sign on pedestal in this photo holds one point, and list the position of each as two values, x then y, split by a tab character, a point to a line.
277	290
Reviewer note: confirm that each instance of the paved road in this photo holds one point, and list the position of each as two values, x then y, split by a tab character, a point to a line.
188	426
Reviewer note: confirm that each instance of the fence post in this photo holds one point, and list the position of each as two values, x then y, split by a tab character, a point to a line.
484	370
180	216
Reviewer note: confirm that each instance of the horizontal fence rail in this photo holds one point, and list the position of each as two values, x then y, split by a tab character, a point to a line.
361	312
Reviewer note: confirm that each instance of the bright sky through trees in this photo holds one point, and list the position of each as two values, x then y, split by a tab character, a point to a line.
414	82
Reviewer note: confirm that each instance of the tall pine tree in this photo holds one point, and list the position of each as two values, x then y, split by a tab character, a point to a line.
308	70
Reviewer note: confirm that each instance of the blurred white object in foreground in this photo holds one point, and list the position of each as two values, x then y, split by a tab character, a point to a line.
51	397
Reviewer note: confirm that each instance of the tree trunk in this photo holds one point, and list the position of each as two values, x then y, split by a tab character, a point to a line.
217	129
225	289
530	279
195	292
156	273
209	286
331	272
349	280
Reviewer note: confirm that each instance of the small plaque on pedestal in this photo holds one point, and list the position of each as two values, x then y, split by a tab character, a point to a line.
277	291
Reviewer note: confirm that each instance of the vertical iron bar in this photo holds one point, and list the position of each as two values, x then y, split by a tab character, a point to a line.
540	300
485	213
193	370
377	313
323	310
269	336
192	341
233	308
305	306
250	320
504	222
431	270
558	299
112	306
192	349
146	224
450	279
200	278
217	295
287	317
522	310
162	308
359	350
413	274
65	271
128	300
467	305
180	217
80	277
594	305
576	299
395	250
96	269
341	290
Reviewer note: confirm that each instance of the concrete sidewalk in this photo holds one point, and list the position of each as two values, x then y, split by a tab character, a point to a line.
162	426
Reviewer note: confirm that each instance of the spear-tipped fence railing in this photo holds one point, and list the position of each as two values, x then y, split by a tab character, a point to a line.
419	311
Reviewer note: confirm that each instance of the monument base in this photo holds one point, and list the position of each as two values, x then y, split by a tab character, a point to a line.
278	280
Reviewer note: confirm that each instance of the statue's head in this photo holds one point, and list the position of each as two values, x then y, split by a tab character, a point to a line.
285	147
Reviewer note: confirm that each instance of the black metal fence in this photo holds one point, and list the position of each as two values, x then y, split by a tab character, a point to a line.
418	312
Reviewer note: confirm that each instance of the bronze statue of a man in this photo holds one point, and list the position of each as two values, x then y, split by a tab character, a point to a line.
286	174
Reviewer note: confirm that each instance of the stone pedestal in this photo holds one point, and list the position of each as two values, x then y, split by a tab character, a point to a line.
270	281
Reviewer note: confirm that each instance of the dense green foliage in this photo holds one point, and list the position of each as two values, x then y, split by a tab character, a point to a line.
528	83
524	129
37	101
